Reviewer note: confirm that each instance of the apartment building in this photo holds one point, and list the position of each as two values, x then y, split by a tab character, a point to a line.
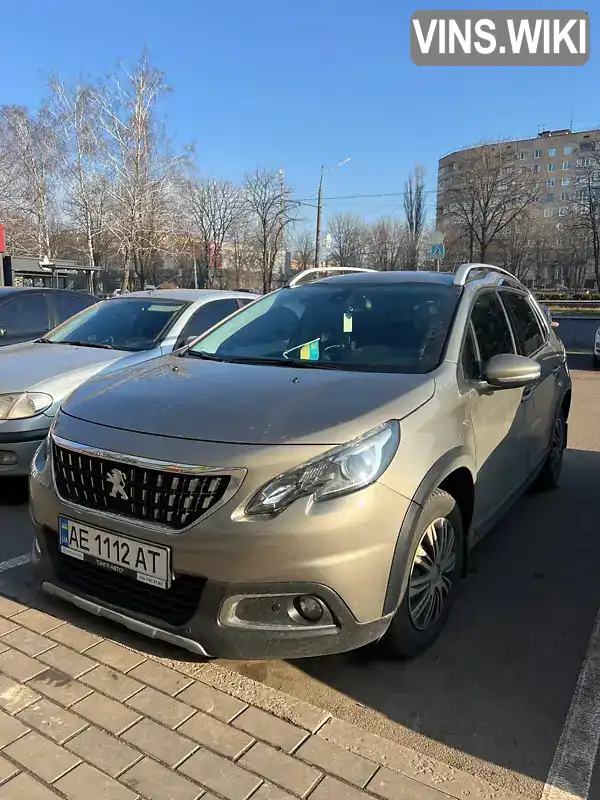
552	156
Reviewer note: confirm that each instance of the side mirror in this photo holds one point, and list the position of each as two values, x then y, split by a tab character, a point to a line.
510	371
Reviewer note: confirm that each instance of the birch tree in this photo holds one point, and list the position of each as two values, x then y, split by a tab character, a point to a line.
137	160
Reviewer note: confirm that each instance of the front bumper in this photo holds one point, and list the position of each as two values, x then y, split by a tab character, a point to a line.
340	552
17	451
204	632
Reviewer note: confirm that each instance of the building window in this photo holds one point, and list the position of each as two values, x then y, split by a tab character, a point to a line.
565	181
550	181
567	165
568	151
563	211
566	196
523	155
537	153
549	198
548	212
536	168
552	152
551	167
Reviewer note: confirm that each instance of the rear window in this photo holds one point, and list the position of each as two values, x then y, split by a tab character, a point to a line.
392	327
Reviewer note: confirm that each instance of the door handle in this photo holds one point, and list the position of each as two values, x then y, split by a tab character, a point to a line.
527	394
556	369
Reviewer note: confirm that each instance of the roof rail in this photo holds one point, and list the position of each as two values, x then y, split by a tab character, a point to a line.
297	279
462	273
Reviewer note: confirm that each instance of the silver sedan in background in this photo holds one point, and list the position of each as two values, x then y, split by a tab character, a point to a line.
35	377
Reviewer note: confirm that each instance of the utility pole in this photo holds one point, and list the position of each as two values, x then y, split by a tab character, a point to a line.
319	212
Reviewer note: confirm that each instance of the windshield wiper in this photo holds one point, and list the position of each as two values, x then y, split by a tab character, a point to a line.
202	354
100	346
43	340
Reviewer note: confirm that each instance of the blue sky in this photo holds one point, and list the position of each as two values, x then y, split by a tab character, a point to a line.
297	85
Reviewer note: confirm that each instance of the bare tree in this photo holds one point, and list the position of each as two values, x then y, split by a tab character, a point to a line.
516	245
271	212
574	252
415	211
390	245
349	239
488	191
585	215
139	164
70	111
34	147
304	249
214	209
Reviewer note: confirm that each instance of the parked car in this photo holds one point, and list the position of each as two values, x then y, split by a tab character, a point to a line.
35	377
597	349
26	313
311	474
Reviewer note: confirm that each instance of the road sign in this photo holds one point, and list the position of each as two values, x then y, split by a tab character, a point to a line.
437	251
437	237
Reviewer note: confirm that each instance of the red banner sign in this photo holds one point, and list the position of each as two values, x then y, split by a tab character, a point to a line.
2	243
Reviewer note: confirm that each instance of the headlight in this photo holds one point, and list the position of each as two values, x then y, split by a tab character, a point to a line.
340	471
22	406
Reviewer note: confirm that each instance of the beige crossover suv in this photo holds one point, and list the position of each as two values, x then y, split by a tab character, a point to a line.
309	475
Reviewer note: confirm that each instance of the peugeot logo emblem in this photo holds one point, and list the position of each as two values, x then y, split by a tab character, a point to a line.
117	479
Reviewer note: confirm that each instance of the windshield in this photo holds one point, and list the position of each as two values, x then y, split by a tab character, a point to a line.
391	327
125	323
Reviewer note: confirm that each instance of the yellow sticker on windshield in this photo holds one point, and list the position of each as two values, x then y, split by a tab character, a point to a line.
347	323
310	351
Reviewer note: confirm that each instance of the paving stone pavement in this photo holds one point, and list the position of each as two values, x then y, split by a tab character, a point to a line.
85	718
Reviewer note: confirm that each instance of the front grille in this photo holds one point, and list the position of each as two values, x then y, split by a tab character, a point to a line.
175	500
175	605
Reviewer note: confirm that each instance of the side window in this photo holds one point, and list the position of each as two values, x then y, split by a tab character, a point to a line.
491	327
243	301
207	316
469	361
24	314
527	329
68	304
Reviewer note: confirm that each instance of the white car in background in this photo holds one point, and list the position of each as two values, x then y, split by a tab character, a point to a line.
597	350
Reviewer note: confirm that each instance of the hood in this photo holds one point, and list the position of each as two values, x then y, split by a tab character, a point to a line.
37	366
241	403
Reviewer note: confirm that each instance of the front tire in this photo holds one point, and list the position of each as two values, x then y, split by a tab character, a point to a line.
435	565
550	475
596	361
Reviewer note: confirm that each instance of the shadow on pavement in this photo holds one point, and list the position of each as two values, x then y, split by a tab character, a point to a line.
499	682
13	491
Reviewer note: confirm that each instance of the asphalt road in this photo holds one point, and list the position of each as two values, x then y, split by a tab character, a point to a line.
492	695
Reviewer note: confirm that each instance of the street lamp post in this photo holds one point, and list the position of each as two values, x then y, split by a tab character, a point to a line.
320	208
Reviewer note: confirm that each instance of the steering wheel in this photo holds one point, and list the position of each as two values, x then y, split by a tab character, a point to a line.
339	347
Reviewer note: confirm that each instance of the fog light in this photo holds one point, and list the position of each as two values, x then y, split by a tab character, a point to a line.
8	459
309	608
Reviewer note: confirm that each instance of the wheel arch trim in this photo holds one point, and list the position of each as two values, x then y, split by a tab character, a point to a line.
458	457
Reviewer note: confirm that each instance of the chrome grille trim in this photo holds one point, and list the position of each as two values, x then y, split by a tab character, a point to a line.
75	450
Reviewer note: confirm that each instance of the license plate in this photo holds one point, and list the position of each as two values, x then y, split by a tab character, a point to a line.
148	563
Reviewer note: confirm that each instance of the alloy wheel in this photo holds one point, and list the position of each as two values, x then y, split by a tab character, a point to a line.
432	574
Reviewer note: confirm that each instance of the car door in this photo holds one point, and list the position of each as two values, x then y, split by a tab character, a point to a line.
209	314
542	398
498	417
65	305
23	317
